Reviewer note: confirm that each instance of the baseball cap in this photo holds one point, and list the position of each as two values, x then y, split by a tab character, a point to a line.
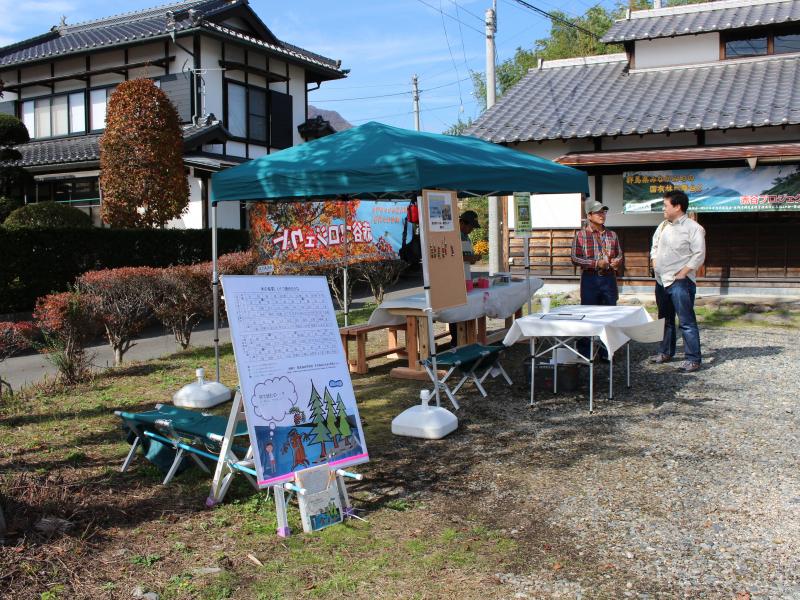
592	206
470	217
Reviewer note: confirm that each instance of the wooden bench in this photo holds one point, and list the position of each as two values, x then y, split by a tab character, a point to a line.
359	334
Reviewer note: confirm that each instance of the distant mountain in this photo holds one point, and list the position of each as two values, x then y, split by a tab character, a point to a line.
337	121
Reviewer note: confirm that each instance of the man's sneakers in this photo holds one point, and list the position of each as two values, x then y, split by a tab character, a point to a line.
660	359
689	367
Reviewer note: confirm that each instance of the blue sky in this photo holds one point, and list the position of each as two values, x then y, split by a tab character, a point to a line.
383	42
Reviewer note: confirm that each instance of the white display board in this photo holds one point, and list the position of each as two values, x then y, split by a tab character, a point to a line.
556	211
298	396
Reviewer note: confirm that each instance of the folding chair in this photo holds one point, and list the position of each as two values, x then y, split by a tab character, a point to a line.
467	360
168	435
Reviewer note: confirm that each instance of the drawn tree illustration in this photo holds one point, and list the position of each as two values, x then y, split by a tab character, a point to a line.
320	432
331	417
299	415
343	426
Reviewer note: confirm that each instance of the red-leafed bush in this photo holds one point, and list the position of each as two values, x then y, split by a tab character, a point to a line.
124	298
14	338
182	299
141	158
68	322
238	263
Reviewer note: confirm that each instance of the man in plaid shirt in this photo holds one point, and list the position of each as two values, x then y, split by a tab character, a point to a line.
597	252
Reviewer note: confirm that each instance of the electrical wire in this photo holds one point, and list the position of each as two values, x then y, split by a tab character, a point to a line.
452	58
557	19
439	10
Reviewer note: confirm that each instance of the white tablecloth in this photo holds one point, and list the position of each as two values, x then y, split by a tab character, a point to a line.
497	302
614	325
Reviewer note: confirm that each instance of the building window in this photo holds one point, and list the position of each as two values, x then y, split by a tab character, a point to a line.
746	47
237	110
98	102
785	44
247	112
55	116
783	41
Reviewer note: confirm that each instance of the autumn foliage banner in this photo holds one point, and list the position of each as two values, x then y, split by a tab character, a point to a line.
293	237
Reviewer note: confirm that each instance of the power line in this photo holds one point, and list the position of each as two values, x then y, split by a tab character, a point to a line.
410	112
450	50
557	19
458	6
389	95
439	10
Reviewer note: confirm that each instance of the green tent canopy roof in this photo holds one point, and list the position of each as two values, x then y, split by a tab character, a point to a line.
378	161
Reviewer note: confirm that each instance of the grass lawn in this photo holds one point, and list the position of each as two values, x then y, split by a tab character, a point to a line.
60	457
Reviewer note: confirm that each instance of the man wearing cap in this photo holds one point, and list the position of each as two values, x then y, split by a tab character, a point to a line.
468	222
596	250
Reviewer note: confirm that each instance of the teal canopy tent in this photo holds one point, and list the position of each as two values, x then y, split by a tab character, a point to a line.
375	161
379	161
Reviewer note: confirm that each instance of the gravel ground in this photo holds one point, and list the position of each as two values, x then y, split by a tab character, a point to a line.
682	486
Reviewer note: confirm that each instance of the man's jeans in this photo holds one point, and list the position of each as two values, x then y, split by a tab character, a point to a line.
678	299
598	290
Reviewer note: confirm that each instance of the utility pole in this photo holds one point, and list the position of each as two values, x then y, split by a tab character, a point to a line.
415	95
495	219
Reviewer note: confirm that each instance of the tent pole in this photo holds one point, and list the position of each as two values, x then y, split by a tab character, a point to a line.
346	264
426	284
215	283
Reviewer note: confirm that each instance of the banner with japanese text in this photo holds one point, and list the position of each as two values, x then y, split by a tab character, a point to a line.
763	189
295	236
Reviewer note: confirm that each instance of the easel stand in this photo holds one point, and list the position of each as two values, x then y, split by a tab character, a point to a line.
324	502
321	491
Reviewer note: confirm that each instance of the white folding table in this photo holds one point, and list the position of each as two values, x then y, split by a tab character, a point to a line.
611	326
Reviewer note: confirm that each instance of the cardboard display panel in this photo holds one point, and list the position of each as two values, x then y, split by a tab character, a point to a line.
443	257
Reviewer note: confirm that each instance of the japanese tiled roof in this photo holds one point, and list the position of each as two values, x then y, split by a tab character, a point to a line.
86	148
702	18
602	98
148	25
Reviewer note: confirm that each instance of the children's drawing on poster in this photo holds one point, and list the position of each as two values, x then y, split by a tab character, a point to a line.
440	212
293	236
298	396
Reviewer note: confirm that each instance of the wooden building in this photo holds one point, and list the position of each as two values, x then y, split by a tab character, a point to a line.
705	97
239	90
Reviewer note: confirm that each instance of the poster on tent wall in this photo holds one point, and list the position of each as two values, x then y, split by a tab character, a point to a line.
295	383
443	257
763	189
294	237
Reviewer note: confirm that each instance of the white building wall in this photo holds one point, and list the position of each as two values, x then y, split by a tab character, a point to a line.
210	55
297	88
192	218
681	50
113	58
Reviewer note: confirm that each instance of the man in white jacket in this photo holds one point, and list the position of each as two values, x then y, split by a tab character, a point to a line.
677	252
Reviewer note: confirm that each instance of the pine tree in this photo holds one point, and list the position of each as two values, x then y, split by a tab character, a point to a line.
320	432
344	426
331	417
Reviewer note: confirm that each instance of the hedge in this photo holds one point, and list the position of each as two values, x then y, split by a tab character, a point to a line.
34	263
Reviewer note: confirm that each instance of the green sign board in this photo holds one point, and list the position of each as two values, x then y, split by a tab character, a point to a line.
763	189
522	213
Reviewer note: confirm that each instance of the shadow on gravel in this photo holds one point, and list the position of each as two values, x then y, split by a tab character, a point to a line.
721	355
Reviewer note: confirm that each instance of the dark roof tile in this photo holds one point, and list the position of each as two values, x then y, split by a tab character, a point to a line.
591	100
702	18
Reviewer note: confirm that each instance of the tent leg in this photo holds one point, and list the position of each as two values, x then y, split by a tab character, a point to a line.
215	283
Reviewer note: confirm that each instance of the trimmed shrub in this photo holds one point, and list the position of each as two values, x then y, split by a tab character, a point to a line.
141	158
124	298
47	215
68	322
7	206
38	262
14	338
182	299
380	275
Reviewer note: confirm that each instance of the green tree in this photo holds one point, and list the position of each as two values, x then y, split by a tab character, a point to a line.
344	426
12	176
331	417
47	215
141	158
320	431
